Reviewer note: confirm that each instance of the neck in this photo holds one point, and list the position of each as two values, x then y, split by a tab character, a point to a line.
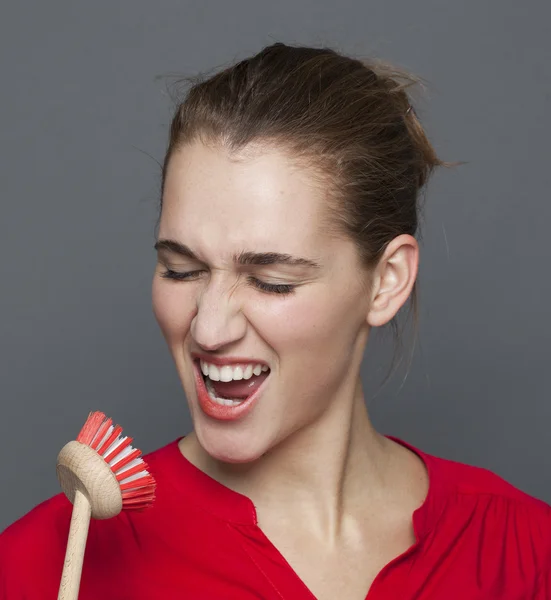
331	468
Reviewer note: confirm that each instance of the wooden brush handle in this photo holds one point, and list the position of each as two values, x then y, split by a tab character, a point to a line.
74	556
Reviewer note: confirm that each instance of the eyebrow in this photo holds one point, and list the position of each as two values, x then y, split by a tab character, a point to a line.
243	258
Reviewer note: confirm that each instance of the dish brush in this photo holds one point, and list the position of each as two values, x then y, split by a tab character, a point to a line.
101	474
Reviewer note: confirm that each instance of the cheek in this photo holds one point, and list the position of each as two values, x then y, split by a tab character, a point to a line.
173	310
313	324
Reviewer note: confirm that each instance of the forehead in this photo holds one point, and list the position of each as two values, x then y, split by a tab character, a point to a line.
259	200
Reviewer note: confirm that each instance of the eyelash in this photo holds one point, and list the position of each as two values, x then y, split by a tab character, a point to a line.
270	288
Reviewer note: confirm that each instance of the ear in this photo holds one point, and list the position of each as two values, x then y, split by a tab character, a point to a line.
393	279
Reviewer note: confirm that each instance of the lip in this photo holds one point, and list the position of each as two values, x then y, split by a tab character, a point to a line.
219	411
227	360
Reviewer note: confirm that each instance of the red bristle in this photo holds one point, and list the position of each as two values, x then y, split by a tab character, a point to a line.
140	507
90	428
101	433
118	449
122	463
139	503
146	484
137	483
140	500
114	435
132	496
130	472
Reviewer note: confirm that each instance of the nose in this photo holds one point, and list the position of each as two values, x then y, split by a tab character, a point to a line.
219	320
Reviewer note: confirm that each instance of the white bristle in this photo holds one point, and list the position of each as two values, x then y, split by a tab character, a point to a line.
107	434
120	456
118	441
134	477
130	465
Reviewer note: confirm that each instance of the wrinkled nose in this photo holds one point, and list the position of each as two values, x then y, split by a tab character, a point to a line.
219	320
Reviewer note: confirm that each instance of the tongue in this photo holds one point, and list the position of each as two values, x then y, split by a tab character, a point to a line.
238	390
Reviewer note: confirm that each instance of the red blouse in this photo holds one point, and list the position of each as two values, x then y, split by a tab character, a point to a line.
478	538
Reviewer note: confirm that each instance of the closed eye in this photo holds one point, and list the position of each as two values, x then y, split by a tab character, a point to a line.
270	288
179	276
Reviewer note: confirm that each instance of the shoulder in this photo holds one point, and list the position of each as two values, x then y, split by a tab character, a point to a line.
494	508
478	481
462	478
35	544
46	521
50	519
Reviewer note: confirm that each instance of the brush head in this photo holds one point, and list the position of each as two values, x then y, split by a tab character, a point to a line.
103	465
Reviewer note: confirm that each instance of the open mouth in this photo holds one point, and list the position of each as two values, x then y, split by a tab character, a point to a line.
230	387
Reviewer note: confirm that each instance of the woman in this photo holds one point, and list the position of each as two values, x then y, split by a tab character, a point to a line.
289	209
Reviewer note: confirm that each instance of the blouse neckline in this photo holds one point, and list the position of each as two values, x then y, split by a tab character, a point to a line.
226	504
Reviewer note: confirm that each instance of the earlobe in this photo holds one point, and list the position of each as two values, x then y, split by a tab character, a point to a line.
395	276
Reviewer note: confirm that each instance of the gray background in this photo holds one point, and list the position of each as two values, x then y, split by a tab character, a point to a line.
83	120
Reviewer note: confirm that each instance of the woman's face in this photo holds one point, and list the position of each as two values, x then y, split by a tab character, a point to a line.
263	209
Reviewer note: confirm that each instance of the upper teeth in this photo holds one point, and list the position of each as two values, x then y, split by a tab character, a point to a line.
227	373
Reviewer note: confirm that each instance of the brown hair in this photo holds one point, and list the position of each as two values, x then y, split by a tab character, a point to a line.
352	120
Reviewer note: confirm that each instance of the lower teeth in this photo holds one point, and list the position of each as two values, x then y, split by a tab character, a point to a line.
215	398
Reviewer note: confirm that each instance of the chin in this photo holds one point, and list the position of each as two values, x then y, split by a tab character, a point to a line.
230	446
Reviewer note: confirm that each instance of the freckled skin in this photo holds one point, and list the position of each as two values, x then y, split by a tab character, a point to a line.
313	339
